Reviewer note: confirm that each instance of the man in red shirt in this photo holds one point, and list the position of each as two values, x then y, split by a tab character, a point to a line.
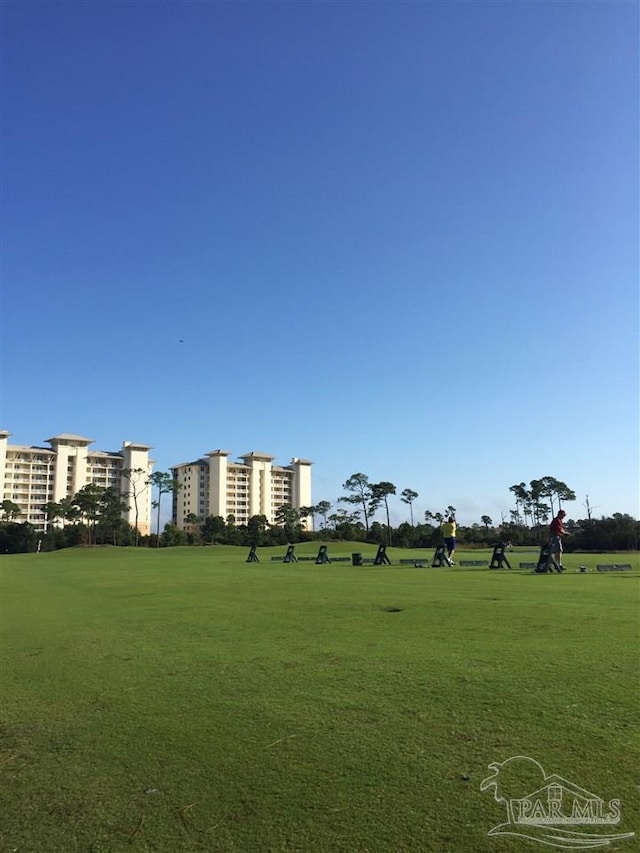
557	531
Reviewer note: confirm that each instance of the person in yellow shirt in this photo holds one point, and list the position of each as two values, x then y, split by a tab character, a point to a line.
448	531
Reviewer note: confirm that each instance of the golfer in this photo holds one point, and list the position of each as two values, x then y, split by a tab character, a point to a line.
448	531
557	531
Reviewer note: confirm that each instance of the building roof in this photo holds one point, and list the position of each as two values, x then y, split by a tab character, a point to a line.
187	464
256	454
65	437
30	448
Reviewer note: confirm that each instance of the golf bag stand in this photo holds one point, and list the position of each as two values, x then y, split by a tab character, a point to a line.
440	557
546	561
499	557
290	556
381	557
322	557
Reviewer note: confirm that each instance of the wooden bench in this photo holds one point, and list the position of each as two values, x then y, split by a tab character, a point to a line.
417	562
313	559
614	567
474	562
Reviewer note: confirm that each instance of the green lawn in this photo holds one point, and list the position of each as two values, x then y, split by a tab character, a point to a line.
184	700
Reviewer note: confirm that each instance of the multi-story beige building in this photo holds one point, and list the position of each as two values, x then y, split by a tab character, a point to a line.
32	476
215	485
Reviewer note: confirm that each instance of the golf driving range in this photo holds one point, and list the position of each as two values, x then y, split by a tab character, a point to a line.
184	700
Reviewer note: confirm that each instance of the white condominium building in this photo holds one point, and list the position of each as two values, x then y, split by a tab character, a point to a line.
32	476
215	485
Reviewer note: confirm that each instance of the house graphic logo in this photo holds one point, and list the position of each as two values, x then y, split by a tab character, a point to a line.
549	809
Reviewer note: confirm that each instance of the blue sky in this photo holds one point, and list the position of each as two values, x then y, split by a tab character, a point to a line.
393	238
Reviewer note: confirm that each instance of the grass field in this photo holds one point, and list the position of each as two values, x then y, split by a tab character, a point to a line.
184	700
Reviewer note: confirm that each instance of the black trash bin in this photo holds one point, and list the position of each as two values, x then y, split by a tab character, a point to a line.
356	559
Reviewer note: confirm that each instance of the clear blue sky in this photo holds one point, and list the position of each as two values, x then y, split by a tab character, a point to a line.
394	238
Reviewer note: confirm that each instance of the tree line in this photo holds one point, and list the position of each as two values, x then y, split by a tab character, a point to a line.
94	516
